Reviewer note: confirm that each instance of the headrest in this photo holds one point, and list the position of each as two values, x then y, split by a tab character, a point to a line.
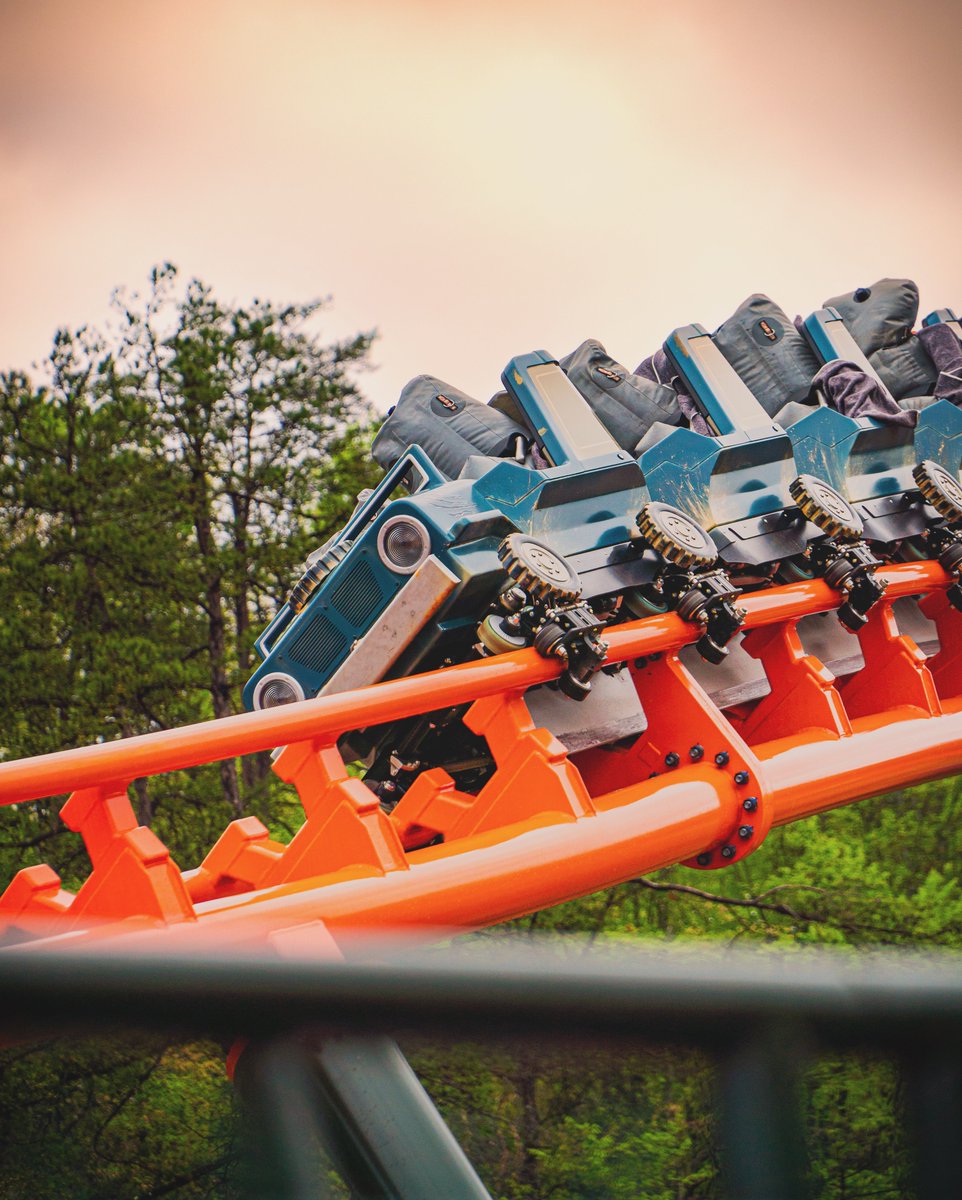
881	315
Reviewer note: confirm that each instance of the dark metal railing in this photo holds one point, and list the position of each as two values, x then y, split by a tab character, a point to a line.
321	1064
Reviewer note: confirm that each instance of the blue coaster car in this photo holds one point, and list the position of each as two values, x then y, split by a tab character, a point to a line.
767	514
880	467
541	546
905	482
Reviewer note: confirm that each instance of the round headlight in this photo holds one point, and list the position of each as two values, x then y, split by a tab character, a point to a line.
403	544
274	690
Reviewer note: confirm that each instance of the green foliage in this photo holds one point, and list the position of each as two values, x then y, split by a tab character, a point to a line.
130	1118
576	1125
157	494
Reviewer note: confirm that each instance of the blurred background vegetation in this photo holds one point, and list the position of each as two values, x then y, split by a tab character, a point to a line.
161	481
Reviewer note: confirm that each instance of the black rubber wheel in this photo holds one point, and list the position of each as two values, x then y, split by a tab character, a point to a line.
574	689
836	574
939	488
950	559
675	536
321	566
691	605
826	508
496	639
851	618
710	650
537	569
644	601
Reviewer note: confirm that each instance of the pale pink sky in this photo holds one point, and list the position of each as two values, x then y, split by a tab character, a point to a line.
476	180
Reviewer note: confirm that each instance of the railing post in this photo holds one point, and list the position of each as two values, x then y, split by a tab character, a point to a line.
934	1090
284	1123
387	1126
762	1138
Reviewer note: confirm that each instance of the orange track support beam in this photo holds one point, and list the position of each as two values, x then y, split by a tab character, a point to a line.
694	786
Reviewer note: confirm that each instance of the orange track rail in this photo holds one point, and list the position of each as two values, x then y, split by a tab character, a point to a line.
546	827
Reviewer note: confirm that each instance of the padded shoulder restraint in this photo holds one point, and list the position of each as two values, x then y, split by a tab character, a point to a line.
881	319
626	404
768	352
447	424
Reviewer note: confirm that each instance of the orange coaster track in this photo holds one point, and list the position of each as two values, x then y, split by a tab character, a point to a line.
699	785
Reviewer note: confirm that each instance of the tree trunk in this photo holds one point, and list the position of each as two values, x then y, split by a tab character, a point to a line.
530	1124
217	650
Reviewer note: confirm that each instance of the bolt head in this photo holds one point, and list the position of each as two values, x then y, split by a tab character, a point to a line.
696	752
741	777
721	758
750	803
728	851
672	759
745	831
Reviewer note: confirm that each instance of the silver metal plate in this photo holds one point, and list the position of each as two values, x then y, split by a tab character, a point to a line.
394	630
611	711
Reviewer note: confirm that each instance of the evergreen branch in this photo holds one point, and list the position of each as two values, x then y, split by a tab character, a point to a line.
756	902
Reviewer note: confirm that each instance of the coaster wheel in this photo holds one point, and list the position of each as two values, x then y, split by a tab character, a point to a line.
826	508
645	601
538	570
939	488
675	536
497	639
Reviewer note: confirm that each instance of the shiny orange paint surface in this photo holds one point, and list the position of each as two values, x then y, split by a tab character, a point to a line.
545	828
191	745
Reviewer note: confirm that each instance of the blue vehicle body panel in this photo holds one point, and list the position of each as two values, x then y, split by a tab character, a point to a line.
736	482
944	316
873	459
584	507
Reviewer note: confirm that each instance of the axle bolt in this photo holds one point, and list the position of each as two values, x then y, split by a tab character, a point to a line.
750	803
741	777
672	759
745	831
703	859
696	752
721	758
728	851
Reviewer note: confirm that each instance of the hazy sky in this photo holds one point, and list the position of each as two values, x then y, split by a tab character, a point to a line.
476	180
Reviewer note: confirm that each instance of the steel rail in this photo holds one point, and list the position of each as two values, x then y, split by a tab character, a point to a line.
127	759
706	994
